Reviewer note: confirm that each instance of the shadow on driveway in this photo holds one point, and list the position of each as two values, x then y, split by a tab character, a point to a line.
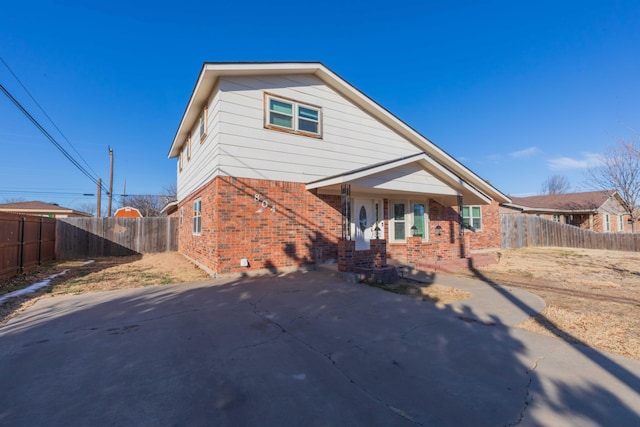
300	349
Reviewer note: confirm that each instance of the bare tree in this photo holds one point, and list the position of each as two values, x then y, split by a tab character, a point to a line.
151	204
147	204
89	208
170	193
619	169
556	184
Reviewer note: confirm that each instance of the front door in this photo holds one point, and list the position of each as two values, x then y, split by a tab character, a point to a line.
363	223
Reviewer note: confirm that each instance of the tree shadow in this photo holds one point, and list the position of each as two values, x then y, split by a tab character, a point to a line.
601	359
298	349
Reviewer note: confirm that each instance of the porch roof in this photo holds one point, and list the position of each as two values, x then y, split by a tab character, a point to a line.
414	175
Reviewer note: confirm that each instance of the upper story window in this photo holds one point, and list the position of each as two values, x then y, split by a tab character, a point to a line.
292	116
188	145
472	217
202	123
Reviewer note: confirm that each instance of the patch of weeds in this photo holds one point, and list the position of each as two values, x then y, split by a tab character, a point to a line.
166	279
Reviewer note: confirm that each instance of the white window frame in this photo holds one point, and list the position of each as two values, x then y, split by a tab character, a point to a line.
181	215
409	219
197	216
469	223
392	220
188	147
202	123
607	223
295	116
620	222
181	159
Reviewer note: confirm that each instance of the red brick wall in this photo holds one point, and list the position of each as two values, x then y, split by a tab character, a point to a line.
489	236
448	246
302	225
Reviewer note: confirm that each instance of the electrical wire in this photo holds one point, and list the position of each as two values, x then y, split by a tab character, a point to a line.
51	138
45	113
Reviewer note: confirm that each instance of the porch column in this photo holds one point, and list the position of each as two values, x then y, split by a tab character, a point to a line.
346	255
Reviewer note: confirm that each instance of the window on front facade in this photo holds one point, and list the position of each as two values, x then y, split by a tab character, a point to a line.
556	217
419	221
180	159
181	215
472	217
408	218
620	222
288	115
188	145
197	217
398	220
607	223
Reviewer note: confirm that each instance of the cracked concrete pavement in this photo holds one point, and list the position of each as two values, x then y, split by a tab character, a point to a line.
300	349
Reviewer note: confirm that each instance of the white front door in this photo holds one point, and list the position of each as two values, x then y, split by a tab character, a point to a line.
363	222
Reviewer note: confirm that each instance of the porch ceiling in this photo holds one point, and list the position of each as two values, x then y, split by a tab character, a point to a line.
412	176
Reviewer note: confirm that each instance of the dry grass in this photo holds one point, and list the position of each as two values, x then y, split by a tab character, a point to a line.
592	296
437	294
104	274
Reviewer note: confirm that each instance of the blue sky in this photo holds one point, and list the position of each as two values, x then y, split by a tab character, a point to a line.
517	91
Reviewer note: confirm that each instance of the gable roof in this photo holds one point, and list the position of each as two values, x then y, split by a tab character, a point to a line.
386	182
212	71
36	207
588	201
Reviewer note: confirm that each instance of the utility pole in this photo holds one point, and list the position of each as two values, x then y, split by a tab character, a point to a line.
110	180
98	203
124	194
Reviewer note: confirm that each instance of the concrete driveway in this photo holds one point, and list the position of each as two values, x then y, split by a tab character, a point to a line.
306	349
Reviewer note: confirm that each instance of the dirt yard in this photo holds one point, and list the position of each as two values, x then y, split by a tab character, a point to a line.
103	274
593	297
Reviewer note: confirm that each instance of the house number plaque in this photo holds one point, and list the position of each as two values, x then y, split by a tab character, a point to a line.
264	203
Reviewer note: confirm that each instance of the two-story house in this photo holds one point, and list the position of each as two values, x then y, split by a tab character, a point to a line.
281	165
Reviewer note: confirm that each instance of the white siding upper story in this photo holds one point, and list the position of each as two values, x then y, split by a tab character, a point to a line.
239	145
354	133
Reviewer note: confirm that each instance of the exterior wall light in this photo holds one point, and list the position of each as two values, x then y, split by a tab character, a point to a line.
414	230
377	230
439	230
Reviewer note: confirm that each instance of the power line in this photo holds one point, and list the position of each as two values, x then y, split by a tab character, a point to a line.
50	138
45	113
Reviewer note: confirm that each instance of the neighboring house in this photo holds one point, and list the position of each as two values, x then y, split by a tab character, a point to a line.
50	210
127	212
285	164
600	211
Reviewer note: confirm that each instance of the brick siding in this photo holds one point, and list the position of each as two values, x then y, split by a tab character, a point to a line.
239	221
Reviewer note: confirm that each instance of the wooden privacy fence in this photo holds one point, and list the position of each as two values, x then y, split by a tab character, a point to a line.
96	237
25	242
520	231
